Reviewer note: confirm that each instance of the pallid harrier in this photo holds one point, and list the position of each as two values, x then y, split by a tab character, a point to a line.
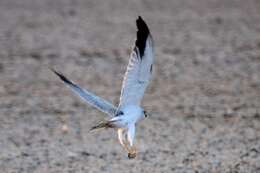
139	70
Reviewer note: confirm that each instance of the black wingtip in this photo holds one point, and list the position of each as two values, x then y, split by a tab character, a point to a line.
62	77
142	35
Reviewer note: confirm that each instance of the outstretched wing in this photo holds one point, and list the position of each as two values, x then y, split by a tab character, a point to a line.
140	66
89	97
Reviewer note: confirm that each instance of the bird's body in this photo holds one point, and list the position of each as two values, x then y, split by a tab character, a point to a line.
129	116
129	112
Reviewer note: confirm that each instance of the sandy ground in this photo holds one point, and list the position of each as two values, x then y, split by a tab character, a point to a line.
204	97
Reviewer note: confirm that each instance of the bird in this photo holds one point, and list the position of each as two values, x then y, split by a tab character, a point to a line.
124	117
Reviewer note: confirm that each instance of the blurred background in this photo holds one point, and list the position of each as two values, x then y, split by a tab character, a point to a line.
204	97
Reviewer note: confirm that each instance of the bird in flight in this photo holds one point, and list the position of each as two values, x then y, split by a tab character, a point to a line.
129	112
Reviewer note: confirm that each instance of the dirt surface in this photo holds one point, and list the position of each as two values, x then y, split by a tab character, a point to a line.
204	97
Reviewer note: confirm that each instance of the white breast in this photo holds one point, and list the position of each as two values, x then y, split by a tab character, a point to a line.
133	113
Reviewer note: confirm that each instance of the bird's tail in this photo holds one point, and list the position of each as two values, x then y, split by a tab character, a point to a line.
104	124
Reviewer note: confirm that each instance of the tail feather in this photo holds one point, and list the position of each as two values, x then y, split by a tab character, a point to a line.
106	124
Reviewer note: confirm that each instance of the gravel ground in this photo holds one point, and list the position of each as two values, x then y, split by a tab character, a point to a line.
204	97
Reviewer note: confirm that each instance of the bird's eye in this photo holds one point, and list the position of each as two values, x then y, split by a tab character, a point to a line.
119	113
145	115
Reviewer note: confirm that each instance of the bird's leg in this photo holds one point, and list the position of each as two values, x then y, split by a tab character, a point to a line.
130	138
132	151
122	139
128	146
